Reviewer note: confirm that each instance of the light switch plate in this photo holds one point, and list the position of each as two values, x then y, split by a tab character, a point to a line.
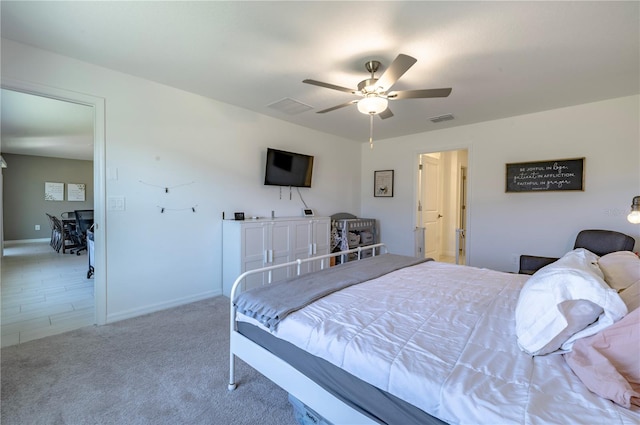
116	203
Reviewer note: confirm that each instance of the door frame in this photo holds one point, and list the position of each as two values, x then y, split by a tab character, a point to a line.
463	201
434	148
99	174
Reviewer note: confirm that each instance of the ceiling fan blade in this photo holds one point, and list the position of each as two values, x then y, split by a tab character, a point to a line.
329	86
386	114
398	67
419	94
351	102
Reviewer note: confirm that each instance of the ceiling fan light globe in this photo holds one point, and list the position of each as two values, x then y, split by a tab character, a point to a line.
372	105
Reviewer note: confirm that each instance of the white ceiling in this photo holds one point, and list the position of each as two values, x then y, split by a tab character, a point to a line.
35	125
501	58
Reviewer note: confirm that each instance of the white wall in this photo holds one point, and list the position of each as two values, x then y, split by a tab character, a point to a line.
502	224
211	155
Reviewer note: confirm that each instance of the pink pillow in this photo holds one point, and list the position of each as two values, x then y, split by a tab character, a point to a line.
607	362
631	296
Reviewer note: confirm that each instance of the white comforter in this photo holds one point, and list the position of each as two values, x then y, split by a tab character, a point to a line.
442	337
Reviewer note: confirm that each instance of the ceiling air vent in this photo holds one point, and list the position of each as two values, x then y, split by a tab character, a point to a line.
289	106
440	118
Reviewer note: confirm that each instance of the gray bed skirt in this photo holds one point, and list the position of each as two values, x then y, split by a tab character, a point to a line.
377	404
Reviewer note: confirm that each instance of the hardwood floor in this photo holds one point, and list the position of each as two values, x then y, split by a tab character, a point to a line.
452	259
43	292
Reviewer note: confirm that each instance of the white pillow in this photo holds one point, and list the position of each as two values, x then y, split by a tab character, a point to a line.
564	301
621	269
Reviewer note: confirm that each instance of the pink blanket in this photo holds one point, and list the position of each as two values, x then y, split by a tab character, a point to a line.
608	362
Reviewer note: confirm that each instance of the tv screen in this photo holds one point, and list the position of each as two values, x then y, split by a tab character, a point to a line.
288	169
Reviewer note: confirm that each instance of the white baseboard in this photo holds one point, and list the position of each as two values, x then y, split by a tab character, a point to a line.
19	241
115	317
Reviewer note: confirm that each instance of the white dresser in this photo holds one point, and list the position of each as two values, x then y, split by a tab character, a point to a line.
251	244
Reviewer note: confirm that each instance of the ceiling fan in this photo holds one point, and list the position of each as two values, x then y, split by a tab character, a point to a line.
374	92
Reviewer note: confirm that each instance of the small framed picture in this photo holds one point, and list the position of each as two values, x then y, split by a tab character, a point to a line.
76	191
383	183
238	216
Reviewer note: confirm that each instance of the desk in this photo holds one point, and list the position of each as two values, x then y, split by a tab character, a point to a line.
67	233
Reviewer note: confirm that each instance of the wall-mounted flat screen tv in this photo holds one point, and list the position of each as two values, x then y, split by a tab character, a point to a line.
288	169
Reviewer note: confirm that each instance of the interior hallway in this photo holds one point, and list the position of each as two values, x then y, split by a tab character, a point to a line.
452	259
43	292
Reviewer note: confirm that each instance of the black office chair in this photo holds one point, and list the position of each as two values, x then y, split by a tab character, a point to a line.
56	232
600	242
84	220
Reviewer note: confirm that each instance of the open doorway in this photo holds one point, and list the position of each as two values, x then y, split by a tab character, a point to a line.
97	107
47	145
441	224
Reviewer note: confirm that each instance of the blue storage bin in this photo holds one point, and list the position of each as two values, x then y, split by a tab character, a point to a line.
304	415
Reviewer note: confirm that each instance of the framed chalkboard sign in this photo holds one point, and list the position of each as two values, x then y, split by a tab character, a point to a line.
545	176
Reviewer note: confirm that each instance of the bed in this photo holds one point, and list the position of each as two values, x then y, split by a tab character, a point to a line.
424	342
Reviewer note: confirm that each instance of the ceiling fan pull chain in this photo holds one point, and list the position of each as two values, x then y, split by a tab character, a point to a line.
371	131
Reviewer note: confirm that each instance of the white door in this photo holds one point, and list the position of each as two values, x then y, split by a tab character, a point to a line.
431	206
321	236
303	242
265	244
280	248
321	240
311	238
254	252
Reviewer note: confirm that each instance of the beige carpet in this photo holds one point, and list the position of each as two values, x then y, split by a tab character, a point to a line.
169	367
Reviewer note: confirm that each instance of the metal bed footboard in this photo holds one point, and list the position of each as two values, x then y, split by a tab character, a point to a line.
276	369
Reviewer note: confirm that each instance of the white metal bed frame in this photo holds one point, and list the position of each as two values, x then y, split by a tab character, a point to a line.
279	371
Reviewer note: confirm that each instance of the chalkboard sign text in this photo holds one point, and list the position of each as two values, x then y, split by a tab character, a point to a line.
544	176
